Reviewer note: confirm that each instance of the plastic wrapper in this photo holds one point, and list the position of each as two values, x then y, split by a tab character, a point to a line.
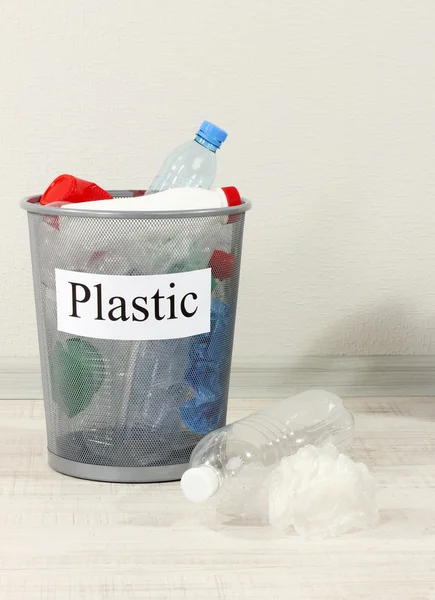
154	395
208	361
320	493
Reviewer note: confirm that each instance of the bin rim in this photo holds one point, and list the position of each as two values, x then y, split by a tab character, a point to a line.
31	204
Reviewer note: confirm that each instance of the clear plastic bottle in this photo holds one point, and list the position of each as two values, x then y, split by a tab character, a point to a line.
154	392
192	164
231	463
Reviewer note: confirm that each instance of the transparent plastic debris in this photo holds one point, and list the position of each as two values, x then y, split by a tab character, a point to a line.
243	454
146	252
321	493
127	399
153	397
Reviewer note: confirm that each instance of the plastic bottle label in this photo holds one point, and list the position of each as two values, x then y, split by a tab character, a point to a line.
143	307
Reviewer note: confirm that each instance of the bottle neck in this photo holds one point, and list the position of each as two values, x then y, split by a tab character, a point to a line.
202	142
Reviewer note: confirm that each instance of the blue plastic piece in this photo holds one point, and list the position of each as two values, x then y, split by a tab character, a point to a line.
202	414
212	134
201	376
208	365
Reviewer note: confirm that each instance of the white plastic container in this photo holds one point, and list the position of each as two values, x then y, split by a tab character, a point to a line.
173	199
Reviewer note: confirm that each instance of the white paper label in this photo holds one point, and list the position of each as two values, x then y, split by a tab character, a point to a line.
142	307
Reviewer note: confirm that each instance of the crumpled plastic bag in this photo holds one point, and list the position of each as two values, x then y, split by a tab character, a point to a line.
206	376
321	493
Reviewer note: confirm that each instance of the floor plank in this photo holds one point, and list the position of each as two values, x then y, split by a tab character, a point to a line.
64	538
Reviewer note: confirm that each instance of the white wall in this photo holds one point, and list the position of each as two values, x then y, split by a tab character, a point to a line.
330	107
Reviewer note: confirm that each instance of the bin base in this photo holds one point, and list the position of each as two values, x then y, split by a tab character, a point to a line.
116	474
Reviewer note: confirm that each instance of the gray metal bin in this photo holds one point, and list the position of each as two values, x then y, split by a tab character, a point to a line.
130	407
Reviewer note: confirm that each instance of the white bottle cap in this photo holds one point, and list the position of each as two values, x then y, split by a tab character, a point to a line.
200	483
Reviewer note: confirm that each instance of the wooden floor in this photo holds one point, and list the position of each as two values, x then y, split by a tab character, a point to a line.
63	538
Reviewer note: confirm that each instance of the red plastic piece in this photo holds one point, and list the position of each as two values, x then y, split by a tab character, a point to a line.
232	195
222	264
52	220
67	188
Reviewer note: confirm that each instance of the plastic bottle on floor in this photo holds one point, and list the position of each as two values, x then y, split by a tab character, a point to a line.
231	463
192	164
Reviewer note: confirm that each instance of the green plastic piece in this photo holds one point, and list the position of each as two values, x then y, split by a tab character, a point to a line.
77	372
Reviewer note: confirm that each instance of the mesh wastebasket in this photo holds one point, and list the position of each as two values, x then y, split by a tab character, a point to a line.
135	314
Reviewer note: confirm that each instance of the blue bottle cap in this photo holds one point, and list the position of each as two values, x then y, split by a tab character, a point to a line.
212	134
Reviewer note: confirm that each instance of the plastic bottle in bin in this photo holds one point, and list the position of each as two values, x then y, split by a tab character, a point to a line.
231	463
155	393
192	164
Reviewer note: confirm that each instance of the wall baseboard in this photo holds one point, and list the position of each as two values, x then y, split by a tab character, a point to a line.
344	375
275	378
